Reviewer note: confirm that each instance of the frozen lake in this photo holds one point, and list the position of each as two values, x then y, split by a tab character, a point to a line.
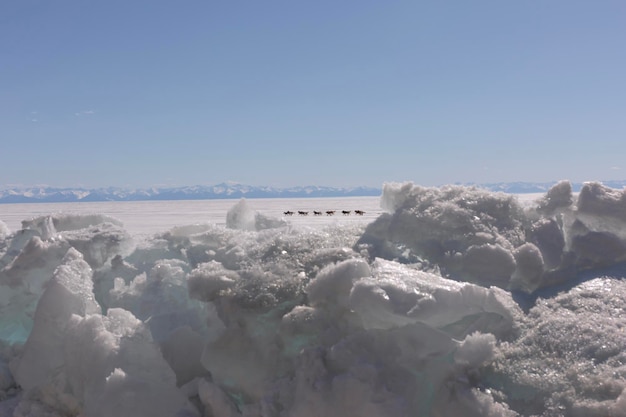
326	318
146	217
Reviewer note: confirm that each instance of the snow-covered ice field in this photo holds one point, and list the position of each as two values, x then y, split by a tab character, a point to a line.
147	217
437	302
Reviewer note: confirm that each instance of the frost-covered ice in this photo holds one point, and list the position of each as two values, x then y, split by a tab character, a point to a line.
454	302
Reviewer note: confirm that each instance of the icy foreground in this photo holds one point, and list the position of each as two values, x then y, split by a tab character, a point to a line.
456	302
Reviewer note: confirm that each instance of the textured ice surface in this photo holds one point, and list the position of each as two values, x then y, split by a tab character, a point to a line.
4	230
491	239
571	357
242	216
456	302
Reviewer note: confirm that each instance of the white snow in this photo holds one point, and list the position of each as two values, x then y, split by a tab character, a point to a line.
448	301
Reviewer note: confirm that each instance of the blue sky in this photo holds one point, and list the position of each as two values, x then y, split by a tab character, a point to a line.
341	93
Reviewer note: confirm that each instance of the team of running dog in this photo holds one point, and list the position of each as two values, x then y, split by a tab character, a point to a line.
328	212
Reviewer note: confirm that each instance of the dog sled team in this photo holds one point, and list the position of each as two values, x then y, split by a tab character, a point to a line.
320	213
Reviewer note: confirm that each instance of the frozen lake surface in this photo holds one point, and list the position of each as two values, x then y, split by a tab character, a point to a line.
436	302
148	217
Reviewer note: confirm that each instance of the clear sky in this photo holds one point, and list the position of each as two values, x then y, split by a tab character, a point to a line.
300	92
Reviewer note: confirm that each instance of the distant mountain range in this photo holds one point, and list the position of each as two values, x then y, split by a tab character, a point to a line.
538	187
45	194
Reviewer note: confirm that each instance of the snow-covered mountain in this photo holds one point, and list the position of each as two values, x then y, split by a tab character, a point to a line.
45	194
539	187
